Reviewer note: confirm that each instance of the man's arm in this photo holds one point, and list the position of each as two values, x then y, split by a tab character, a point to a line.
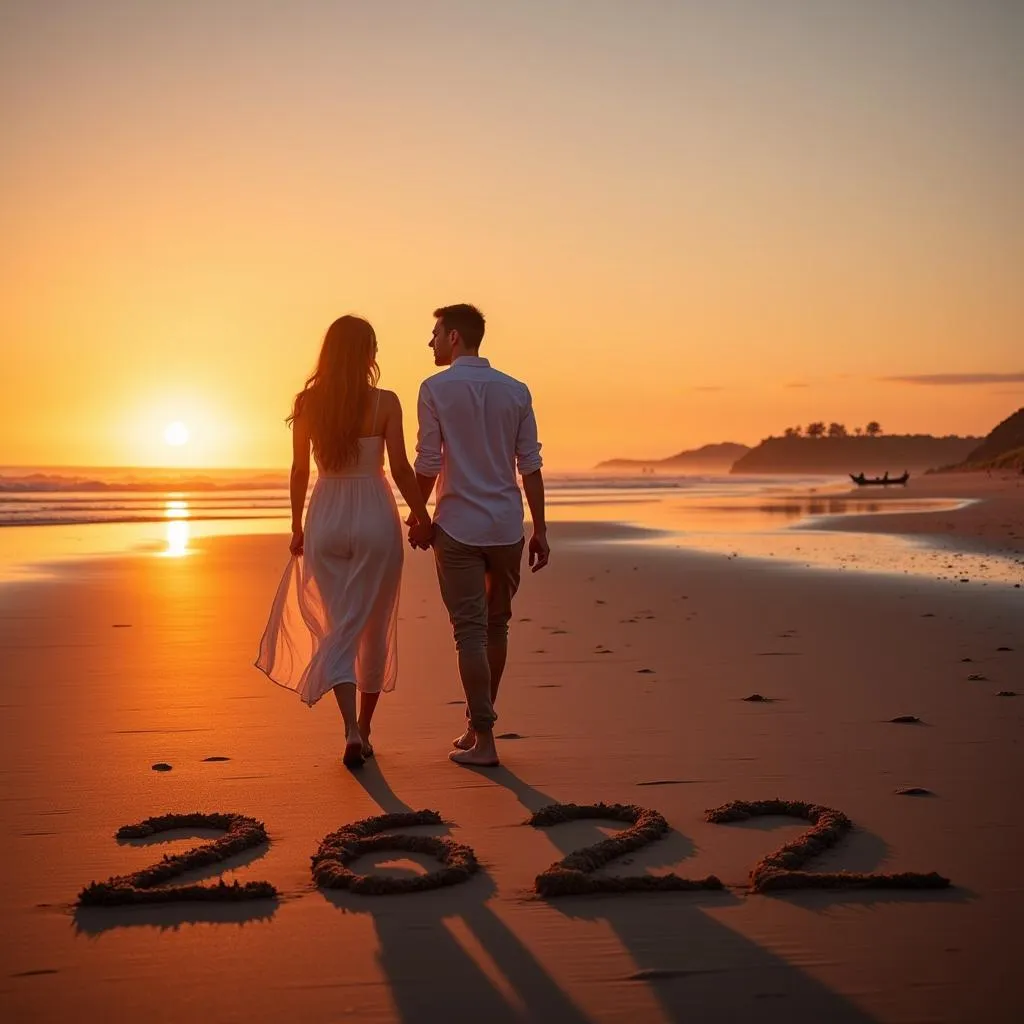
426	486
540	550
529	462
429	443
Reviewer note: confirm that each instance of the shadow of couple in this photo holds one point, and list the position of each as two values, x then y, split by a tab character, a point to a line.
447	950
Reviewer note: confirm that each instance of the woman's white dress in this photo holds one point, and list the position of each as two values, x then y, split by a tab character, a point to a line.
335	614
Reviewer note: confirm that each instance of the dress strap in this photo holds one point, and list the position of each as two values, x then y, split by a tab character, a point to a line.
376	406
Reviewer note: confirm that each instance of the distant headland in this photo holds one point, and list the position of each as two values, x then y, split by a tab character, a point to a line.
831	448
1003	449
711	458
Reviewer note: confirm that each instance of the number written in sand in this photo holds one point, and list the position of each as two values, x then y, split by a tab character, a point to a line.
782	869
574	874
148	885
372	835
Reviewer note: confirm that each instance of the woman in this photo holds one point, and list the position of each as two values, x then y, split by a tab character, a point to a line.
333	625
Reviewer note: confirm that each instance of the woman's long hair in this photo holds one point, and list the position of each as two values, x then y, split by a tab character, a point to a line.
336	395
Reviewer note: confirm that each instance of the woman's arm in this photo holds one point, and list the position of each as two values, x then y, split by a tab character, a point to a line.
401	471
299	481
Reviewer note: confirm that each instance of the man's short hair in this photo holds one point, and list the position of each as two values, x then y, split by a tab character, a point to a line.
466	319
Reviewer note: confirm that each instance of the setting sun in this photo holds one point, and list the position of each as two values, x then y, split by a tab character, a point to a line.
176	433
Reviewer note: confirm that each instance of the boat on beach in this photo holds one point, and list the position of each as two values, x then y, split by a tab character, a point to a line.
880	481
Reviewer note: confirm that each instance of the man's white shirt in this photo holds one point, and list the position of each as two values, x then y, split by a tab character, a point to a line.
476	428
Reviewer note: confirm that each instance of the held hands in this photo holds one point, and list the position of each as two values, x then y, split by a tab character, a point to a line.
421	535
540	550
298	539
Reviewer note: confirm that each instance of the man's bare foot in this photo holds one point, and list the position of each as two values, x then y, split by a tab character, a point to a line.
475	757
467	741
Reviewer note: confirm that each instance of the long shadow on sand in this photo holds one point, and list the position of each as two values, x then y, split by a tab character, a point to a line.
445	952
696	968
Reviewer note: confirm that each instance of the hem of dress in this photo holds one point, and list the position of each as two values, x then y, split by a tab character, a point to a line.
319	696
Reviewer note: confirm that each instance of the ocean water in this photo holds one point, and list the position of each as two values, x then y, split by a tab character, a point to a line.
50	515
56	496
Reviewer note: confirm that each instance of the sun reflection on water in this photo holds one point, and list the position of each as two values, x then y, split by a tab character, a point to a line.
176	511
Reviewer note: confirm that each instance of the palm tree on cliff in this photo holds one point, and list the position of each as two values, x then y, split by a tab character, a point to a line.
815	429
873	429
836	430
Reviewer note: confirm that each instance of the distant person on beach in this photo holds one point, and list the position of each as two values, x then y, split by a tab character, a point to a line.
476	428
333	625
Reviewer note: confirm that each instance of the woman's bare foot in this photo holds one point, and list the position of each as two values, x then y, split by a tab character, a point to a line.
364	735
467	740
474	757
353	756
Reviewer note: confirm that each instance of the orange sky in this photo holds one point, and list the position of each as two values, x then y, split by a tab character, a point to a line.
685	222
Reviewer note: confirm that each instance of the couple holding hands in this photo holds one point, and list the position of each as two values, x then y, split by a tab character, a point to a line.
334	621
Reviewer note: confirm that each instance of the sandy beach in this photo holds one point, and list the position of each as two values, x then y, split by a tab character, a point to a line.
991	522
628	671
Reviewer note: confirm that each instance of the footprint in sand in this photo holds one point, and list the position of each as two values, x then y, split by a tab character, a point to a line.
509	736
121	625
1004	648
161	766
1007	693
548	686
217	757
645	671
977	677
758	698
540	650
914	791
906	720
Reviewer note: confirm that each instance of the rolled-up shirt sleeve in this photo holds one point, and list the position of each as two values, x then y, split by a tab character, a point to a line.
428	438
528	459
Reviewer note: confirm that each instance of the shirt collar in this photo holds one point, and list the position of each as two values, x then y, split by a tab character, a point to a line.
470	361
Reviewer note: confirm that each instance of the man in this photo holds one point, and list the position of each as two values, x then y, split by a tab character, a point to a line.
476	427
